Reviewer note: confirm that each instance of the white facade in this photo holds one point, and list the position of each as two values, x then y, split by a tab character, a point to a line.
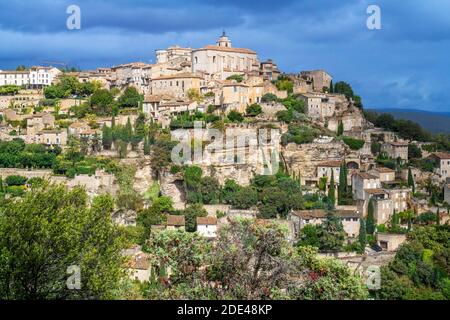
222	60
35	76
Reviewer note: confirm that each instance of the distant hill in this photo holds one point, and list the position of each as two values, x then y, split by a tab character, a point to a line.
434	122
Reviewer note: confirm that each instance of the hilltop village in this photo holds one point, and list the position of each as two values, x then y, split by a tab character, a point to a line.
353	184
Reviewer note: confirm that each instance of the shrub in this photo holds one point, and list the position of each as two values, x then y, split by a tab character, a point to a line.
254	110
354	144
235	116
16	191
15	180
269	97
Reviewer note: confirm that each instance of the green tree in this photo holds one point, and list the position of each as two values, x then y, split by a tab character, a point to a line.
411	181
253	110
146	146
191	214
156	214
107	137
2	190
235	116
331	233
51	229
340	131
362	234
332	189
370	223
245	198
102	102
130	98
343	88
308	236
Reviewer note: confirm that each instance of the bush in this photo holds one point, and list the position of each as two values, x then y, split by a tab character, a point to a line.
235	116
15	180
16	191
254	110
236	77
269	97
354	144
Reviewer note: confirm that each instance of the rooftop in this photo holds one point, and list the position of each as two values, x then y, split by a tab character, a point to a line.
226	49
322	214
175	221
365	175
442	155
331	163
210	221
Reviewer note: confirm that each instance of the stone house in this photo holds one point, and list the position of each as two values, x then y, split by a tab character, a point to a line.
384	174
39	122
139	267
442	160
447	191
350	219
325	169
176	85
400	198
395	150
382	205
318	105
50	137
362	181
175	222
389	241
320	79
269	70
207	227
223	60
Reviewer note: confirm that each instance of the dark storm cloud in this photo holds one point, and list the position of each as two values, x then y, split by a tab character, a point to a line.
405	64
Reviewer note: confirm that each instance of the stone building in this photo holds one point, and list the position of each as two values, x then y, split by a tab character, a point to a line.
134	74
325	169
384	174
390	241
363	181
223	60
49	137
35	77
350	219
207	227
442	161
320	79
39	122
447	191
269	70
175	222
395	150
176	85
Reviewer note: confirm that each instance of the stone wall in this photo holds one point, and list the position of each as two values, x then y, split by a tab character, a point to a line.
304	158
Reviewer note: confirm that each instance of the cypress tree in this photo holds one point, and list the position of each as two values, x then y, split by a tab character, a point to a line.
146	146
411	181
1	185
395	219
331	189
362	234
128	130
331	87
340	131
438	220
370	225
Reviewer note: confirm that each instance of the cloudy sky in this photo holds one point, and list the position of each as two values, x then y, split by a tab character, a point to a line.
406	64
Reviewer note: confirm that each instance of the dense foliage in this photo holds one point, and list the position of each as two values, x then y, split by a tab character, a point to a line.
420	270
249	261
51	229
